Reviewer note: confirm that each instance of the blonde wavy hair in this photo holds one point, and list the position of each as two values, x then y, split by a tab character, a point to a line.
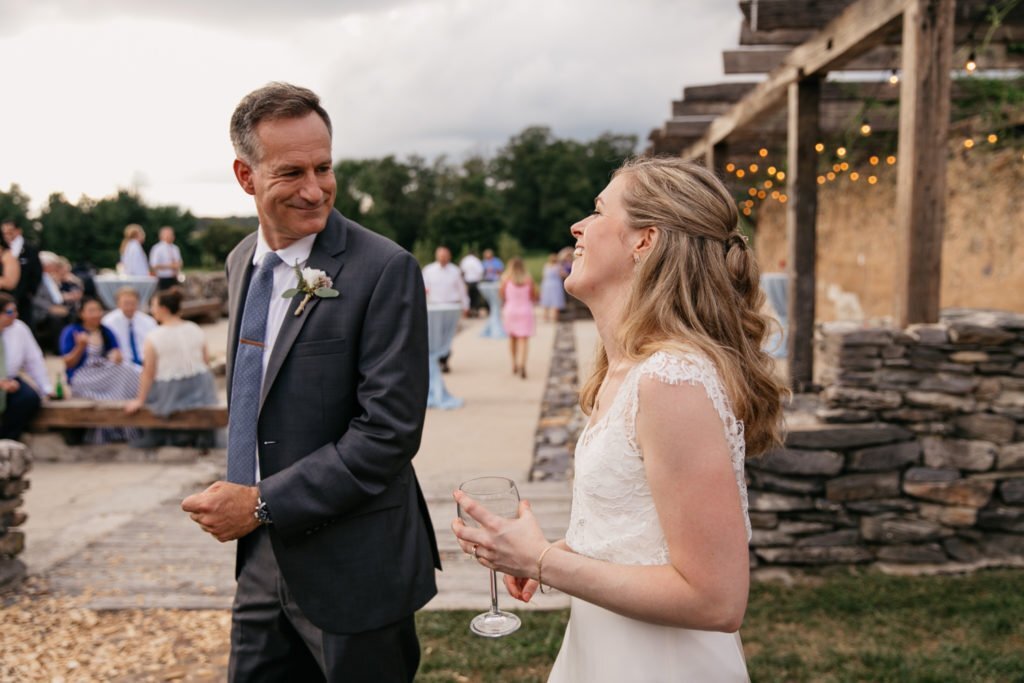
132	231
697	289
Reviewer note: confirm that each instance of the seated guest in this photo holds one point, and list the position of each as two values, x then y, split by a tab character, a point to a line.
95	368
71	288
129	325
51	313
175	374
20	353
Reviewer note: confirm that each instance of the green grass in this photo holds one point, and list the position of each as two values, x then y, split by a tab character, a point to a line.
841	626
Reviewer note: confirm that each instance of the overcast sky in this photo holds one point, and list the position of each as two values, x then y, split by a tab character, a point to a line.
102	94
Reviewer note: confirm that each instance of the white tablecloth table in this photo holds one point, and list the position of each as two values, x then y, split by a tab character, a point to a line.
107	286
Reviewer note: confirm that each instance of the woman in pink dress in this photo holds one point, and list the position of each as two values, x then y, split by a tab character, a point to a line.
518	294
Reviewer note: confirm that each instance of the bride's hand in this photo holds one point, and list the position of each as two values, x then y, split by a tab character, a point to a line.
520	588
510	546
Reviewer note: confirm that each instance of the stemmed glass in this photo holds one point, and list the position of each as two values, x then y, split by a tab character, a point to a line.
500	496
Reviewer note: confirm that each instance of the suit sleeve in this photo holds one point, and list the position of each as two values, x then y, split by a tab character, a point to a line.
381	441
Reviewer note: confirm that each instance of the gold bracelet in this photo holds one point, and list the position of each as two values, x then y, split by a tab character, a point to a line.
540	566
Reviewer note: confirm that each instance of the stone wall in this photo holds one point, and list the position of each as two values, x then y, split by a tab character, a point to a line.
918	457
207	285
15	462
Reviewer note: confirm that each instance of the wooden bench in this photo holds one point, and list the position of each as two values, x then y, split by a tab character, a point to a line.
202	310
80	412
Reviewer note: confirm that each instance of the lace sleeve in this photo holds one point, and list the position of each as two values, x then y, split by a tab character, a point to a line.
695	370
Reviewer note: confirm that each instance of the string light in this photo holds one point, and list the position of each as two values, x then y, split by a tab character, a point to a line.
746	211
783	198
844	166
836	168
968	143
891	160
993	138
762	194
768	184
894	77
819	148
855	176
771	170
753	168
841	152
740	173
780	176
762	152
830	175
730	167
972	63
865	128
821	180
872	179
752	191
775	194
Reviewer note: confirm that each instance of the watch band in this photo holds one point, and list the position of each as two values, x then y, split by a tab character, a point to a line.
262	513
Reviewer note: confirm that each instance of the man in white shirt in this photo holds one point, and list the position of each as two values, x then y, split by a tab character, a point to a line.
472	272
20	354
445	287
165	259
130	326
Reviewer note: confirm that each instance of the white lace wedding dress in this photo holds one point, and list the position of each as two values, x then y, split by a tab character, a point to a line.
613	518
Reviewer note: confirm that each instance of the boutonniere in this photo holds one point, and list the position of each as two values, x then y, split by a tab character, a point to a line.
312	282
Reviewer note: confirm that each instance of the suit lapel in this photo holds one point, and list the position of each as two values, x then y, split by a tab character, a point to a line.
238	288
325	256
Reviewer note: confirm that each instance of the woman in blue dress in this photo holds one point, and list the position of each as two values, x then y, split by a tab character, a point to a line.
552	292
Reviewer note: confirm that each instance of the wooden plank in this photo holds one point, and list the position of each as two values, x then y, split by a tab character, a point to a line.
882	58
774	15
801	227
89	413
858	29
858	91
1012	32
921	175
728	92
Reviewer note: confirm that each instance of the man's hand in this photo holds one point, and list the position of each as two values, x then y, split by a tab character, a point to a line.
225	510
9	385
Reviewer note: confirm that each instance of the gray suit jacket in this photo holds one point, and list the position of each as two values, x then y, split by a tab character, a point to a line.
342	408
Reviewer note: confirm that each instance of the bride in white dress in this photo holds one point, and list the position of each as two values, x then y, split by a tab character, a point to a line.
655	557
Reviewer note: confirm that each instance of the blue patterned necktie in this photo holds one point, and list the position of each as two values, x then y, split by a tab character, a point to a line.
132	344
247	374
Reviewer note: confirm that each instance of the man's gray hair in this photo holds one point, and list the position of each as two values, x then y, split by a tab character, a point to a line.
273	101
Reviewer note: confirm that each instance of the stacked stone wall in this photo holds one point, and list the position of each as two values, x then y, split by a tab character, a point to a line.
918	457
15	462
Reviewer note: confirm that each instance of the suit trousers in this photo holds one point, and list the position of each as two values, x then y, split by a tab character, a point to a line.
272	640
22	406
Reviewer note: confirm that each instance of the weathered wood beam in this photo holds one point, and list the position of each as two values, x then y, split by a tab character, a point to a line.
921	175
882	58
1012	32
858	29
88	413
801	227
775	15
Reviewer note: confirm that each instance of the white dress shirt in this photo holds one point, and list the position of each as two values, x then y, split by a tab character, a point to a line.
53	289
162	255
134	260
472	268
22	353
284	279
142	325
445	286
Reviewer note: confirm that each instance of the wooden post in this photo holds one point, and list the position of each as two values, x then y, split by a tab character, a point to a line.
801	229
923	144
719	155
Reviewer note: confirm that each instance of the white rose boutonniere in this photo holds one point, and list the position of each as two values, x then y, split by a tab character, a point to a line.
311	282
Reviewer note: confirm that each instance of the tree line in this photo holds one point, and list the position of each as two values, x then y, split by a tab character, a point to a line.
525	196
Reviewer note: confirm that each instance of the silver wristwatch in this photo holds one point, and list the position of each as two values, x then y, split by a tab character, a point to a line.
261	513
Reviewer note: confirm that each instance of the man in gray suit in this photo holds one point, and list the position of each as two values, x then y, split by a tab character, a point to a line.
327	394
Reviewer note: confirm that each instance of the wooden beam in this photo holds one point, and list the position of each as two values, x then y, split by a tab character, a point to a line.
858	29
775	15
882	58
89	413
801	227
921	176
836	117
1012	32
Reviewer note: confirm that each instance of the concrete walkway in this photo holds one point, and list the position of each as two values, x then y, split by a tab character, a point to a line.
114	531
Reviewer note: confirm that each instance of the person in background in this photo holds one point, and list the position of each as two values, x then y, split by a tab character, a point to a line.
96	369
552	291
130	326
493	266
518	294
51	312
165	259
10	268
176	373
19	353
445	287
473	273
133	255
565	261
31	269
71	288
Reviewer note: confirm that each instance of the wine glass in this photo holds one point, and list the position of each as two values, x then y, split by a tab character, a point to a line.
500	496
